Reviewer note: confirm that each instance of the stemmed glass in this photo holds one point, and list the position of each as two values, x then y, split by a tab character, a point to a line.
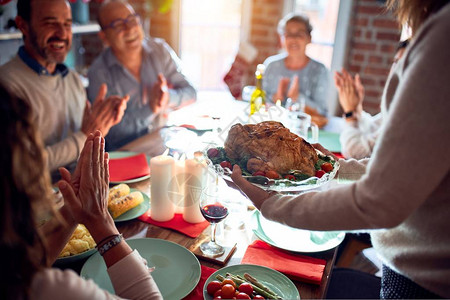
213	210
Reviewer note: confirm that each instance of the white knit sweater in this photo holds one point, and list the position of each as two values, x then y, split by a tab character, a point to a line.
405	192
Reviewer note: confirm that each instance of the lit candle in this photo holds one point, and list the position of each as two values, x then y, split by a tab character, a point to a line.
195	171
162	171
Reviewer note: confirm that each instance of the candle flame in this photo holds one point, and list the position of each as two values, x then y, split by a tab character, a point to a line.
278	103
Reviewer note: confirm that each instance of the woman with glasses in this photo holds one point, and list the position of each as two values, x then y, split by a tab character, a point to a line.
292	76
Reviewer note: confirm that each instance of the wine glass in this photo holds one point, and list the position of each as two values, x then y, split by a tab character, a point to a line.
213	210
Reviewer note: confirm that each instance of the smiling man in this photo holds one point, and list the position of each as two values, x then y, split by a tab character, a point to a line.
57	97
147	69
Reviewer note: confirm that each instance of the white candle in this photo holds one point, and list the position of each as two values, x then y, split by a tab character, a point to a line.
162	171
194	184
178	185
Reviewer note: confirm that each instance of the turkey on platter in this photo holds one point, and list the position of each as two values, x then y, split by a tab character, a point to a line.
270	146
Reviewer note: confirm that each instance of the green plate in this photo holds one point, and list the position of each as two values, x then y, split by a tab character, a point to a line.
122	154
274	280
74	258
293	239
177	270
137	211
330	140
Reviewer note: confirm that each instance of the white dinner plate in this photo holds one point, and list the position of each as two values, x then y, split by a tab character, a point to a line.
177	270
122	154
137	211
271	278
293	239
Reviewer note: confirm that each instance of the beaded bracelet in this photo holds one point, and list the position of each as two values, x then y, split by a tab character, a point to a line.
99	244
110	244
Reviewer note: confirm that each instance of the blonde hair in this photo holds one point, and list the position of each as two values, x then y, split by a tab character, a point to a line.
414	12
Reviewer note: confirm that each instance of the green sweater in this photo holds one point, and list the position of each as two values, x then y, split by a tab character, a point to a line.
57	103
403	197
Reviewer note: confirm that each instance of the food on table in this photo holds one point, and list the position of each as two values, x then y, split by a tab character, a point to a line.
266	150
270	146
118	206
80	241
118	191
239	287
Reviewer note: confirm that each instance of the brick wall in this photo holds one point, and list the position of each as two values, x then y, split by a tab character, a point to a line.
373	39
371	45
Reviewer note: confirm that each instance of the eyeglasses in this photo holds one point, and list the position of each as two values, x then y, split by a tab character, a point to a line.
121	24
294	35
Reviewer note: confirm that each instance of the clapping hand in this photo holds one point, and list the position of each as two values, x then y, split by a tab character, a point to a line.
160	95
287	89
351	91
86	191
104	113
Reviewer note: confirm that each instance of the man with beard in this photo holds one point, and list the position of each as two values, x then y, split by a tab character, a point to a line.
58	99
146	69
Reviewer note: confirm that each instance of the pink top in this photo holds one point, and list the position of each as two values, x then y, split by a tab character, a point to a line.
129	276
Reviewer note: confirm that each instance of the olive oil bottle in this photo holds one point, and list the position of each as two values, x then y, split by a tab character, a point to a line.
258	97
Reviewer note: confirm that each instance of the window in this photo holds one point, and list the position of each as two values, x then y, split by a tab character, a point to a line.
323	15
210	34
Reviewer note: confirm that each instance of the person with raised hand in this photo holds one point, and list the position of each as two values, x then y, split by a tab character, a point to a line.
145	68
402	197
33	230
55	93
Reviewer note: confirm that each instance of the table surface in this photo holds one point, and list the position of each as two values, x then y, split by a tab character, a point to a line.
243	237
199	114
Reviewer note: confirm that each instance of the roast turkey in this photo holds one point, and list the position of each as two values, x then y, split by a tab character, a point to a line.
270	145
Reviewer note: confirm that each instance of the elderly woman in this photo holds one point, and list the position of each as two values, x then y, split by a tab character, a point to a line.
293	74
29	244
403	194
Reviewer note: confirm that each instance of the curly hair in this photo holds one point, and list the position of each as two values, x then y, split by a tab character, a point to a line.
25	196
414	12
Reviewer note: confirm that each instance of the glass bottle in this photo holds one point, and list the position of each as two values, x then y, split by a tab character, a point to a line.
258	97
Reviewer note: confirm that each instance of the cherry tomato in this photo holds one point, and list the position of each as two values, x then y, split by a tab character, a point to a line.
226	164
243	296
213	152
227	291
217	298
228	281
259	173
320	173
218	293
272	174
213	286
290	177
258	297
327	167
246	288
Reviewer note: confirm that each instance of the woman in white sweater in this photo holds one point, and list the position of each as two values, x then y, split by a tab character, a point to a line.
403	196
27	247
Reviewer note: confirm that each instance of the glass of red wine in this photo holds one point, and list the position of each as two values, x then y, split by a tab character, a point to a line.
213	210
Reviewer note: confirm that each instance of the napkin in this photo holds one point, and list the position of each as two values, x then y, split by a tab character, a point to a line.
297	267
130	167
178	224
197	292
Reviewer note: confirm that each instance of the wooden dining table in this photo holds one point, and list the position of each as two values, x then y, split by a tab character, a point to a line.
153	144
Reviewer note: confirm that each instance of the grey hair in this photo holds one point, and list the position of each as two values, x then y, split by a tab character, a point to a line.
294	17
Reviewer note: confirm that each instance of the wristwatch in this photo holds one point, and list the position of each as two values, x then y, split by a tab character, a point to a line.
348	114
